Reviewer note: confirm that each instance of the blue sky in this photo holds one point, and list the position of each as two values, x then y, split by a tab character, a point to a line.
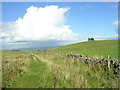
88	19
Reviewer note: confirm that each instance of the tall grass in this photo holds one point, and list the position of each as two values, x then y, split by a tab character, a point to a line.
13	65
43	70
70	73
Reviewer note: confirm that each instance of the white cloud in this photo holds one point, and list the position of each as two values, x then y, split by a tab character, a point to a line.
115	23
106	37
39	24
86	6
115	36
115	6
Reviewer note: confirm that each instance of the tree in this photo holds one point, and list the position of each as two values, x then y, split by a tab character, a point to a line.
90	39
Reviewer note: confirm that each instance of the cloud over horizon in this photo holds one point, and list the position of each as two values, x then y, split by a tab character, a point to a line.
39	24
117	25
115	36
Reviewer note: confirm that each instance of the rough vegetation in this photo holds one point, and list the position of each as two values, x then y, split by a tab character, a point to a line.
14	64
113	64
47	69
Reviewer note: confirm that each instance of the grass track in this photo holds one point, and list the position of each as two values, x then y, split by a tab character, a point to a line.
38	75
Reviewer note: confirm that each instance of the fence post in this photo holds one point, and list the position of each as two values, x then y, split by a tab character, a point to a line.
108	63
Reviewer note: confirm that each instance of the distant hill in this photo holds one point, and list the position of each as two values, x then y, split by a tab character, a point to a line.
91	48
33	48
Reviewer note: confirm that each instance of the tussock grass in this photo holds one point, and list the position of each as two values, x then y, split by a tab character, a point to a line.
13	65
70	73
43	70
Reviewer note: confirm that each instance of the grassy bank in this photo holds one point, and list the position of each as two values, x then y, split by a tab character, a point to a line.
91	48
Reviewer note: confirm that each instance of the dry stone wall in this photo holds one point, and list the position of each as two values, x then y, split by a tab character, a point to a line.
106	63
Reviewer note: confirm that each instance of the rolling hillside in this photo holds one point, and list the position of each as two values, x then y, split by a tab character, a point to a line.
46	69
101	48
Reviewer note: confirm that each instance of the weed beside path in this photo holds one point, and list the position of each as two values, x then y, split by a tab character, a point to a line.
38	76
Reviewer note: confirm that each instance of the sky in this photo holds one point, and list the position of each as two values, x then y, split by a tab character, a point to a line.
45	24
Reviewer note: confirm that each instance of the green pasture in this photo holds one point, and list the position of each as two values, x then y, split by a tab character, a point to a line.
101	48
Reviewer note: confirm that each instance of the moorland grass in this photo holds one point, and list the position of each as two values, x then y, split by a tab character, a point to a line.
101	48
13	65
47	70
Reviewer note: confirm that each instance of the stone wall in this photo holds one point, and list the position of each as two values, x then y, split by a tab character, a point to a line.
106	63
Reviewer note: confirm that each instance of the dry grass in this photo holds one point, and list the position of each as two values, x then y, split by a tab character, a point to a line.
48	70
12	67
72	73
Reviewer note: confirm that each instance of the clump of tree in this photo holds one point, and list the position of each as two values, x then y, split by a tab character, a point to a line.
90	39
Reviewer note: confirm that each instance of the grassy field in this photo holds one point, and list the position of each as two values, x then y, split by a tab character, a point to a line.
14	64
91	48
21	69
46	70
